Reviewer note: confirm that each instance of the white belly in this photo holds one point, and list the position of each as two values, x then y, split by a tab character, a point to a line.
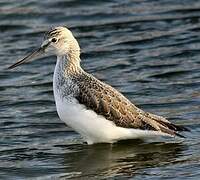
95	128
92	127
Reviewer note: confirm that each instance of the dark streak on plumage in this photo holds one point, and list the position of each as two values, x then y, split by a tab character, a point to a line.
51	33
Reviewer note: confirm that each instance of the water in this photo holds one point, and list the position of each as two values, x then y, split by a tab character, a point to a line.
149	50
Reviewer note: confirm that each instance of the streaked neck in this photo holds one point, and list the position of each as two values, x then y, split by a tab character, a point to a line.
65	72
69	65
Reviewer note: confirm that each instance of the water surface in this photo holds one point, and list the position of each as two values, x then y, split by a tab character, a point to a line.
149	50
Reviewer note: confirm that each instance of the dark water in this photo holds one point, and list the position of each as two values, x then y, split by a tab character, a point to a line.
149	50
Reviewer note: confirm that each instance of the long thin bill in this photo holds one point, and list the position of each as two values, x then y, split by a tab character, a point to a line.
28	58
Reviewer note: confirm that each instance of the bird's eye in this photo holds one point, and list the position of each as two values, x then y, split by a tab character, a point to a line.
54	40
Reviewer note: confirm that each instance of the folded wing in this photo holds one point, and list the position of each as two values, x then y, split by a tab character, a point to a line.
108	102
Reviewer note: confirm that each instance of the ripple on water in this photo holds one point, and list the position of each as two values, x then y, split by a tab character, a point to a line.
149	50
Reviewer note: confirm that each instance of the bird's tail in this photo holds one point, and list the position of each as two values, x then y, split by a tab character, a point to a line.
161	124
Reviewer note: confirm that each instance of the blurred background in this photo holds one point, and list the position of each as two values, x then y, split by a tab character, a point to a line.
147	49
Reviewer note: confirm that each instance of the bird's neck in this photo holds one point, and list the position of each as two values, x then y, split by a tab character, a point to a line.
65	72
69	64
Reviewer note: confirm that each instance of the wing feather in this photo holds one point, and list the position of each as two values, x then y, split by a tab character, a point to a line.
108	102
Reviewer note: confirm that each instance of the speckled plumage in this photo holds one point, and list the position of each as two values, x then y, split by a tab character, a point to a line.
94	109
108	102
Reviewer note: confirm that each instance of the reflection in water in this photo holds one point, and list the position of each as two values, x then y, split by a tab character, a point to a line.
127	158
149	50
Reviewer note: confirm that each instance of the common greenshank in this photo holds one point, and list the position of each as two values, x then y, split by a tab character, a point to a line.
92	108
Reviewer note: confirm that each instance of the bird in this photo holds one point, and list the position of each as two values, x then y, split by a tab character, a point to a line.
92	108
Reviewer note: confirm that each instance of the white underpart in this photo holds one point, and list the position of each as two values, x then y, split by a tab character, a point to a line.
92	127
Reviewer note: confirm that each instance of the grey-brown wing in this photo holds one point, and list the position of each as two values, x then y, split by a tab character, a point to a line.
108	102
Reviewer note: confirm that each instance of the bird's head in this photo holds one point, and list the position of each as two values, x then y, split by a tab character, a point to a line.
59	41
